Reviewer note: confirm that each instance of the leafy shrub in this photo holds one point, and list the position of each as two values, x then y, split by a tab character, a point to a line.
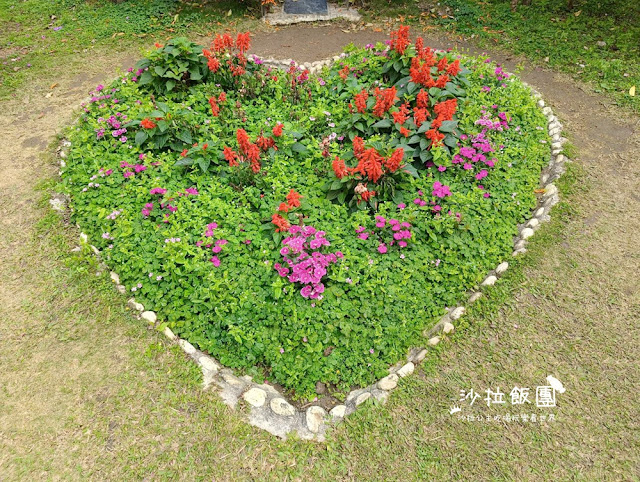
208	218
173	67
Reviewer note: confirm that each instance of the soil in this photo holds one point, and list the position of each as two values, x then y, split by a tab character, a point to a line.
49	381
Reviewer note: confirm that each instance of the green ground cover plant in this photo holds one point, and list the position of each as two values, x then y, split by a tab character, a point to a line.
303	227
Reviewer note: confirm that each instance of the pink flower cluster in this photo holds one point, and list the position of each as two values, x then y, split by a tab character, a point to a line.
115	123
306	263
146	211
190	191
131	169
481	145
440	190
400	233
217	244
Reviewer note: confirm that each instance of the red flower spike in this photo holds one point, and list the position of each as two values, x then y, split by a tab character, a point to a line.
243	41
339	168
361	101
395	161
281	223
147	123
293	198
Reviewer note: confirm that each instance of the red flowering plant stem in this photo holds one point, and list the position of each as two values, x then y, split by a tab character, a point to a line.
371	173
287	214
227	58
418	109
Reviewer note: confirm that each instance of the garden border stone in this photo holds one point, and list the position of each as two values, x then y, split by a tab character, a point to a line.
268	409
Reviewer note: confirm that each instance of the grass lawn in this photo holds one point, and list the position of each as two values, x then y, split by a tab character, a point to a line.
88	392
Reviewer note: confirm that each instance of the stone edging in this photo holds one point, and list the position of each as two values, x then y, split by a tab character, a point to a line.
268	409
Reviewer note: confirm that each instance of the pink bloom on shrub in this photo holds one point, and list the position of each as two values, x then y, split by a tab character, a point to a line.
158	190
382	249
440	190
482	174
216	261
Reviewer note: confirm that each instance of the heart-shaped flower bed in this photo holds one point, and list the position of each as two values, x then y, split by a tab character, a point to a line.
305	228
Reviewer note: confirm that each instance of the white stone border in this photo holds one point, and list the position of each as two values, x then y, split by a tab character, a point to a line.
268	409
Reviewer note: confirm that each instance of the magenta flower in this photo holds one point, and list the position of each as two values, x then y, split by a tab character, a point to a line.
482	174
157	190
382	249
440	190
216	261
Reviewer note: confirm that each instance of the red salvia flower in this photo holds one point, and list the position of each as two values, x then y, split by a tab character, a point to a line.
422	99
230	156
147	123
371	164
395	161
366	195
213	64
243	140
419	46
454	68
277	130
361	101
222	97
215	109
358	146
435	136
293	198
385	98
339	168
446	109
344	72
265	143
443	64
400	117
400	39
284	208
281	223
243	41
419	115
404	131
442	81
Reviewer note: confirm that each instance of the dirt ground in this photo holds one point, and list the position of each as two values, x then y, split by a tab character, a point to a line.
66	364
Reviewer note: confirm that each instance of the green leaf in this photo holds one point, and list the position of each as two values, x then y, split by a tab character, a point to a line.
298	147
204	164
141	136
424	127
170	85
160	70
185	136
145	78
448	126
382	123
185	161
